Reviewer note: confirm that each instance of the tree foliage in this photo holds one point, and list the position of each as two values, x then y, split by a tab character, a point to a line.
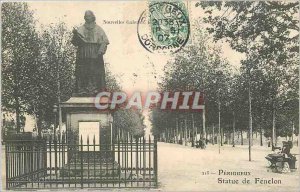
267	33
53	78
198	67
130	121
20	52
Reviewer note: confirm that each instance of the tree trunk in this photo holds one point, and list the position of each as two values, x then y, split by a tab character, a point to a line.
222	136
213	135
168	131
181	134
233	126
203	124
228	139
242	140
293	130
219	114
185	132
166	135
189	135
39	126
18	111
176	130
196	134
273	129
261	137
193	128
174	135
250	106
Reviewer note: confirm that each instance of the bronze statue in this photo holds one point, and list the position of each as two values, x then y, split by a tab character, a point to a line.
92	42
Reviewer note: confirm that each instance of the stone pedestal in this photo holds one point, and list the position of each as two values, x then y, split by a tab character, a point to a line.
82	110
82	117
91	170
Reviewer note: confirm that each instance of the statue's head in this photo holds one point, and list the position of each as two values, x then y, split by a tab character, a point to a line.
89	16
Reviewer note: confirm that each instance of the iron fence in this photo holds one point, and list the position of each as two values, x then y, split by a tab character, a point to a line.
54	163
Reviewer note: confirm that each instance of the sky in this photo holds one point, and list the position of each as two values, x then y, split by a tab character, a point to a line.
133	66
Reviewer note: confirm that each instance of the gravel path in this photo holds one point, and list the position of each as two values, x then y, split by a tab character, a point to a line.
183	168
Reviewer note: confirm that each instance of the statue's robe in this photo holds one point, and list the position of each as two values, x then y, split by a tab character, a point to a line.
92	42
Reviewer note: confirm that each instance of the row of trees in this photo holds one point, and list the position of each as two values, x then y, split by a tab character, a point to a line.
37	66
38	71
262	95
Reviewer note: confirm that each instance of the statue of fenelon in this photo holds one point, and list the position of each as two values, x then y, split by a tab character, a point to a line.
92	43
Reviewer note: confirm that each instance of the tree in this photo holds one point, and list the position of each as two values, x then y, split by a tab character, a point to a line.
197	67
20	50
53	78
129	121
125	120
267	32
111	82
272	23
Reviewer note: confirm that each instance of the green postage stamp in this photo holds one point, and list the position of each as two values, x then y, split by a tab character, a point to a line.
164	27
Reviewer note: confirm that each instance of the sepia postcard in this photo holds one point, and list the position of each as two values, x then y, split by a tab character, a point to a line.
169	95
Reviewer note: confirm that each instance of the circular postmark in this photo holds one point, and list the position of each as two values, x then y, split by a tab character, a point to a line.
164	28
